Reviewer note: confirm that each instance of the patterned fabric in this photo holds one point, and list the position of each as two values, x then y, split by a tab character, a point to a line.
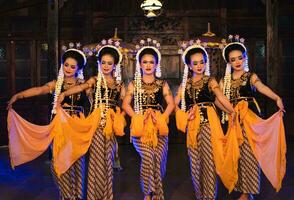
153	166
101	153
248	170
242	87
199	92
202	165
71	183
100	171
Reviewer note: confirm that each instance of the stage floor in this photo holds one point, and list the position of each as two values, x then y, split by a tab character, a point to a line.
33	181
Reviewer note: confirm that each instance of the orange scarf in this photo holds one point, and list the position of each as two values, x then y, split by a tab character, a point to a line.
149	130
71	137
27	141
267	141
217	135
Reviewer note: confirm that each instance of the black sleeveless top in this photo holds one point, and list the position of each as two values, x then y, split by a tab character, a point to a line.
114	97
197	93
242	88
152	94
75	103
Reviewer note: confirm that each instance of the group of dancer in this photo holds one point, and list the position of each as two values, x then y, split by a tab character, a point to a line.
102	101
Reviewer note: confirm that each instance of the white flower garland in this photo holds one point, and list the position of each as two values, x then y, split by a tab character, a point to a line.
246	67
117	73
158	71
184	83
227	89
138	91
58	87
98	95
81	74
207	67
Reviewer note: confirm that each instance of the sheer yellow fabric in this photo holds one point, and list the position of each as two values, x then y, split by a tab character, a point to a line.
229	170
267	140
119	123
148	129
193	128
149	136
27	141
217	136
108	129
137	125
71	137
161	124
181	120
78	133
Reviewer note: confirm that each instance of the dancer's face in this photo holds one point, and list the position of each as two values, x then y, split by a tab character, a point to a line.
107	64
197	63
70	67
148	64
237	60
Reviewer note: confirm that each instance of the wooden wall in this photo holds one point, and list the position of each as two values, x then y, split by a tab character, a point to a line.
23	41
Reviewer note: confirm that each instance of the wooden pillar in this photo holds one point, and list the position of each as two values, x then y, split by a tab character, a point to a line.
11	67
272	44
88	36
186	28
223	18
53	38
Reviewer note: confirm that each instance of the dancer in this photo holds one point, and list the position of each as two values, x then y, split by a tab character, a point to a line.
197	95
149	119
109	91
71	183
239	86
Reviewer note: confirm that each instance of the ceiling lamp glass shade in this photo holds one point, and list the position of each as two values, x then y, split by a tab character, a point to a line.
151	5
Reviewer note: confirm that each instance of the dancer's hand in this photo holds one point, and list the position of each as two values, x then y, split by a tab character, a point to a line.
13	99
146	116
112	116
280	104
153	117
191	114
234	117
60	100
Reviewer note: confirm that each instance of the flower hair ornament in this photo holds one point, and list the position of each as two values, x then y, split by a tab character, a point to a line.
234	42
72	47
148	44
185	48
